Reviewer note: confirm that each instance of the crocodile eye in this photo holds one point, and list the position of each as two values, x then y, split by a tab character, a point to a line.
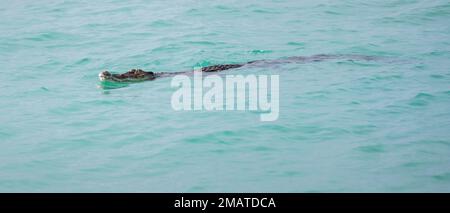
106	73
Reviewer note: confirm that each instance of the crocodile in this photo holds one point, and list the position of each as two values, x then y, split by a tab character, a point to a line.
137	75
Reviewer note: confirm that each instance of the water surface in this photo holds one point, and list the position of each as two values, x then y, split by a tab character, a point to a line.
344	126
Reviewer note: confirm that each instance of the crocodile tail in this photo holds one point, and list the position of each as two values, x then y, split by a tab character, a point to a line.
221	67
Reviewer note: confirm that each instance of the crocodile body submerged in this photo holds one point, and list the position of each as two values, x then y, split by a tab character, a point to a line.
136	75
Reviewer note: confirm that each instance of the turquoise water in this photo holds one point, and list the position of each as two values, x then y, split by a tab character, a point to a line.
344	126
